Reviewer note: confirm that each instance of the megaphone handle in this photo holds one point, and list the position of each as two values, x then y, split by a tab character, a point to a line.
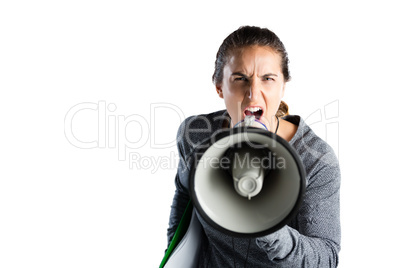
187	245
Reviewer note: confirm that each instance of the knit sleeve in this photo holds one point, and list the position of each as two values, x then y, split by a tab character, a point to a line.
181	196
315	242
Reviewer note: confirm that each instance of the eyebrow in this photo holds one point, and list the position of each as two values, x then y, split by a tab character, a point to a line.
241	74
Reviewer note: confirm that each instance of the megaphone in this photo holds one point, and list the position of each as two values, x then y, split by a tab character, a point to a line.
246	182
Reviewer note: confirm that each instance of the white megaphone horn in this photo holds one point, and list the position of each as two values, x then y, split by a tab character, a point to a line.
247	181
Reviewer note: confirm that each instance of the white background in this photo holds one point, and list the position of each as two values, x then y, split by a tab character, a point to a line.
65	206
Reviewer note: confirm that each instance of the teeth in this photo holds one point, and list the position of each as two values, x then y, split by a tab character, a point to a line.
253	109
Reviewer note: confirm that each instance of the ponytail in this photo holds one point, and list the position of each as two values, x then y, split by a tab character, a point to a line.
283	109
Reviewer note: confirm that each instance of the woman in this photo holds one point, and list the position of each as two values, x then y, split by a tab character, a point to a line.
251	71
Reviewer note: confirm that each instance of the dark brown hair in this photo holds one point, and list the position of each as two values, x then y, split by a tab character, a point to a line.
247	36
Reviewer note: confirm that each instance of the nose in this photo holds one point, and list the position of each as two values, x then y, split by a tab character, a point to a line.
253	90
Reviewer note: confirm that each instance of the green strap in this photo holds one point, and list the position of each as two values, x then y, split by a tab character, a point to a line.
180	232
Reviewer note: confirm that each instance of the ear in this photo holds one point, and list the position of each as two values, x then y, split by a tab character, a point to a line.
219	90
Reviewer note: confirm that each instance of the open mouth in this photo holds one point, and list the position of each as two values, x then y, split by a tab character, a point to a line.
256	111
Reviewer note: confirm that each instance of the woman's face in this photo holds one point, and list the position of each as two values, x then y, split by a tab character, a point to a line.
253	84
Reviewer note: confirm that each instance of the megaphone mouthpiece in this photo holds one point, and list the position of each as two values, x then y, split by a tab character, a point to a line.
251	121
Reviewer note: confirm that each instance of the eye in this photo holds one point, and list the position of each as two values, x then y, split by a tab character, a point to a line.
241	78
267	78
